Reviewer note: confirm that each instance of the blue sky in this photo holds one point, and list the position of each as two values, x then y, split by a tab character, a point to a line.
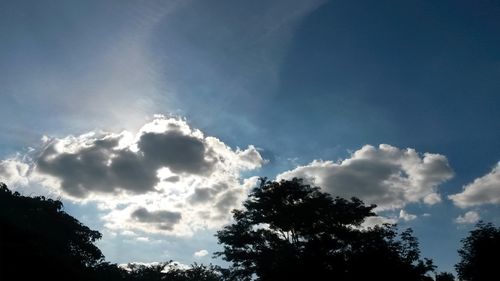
275	88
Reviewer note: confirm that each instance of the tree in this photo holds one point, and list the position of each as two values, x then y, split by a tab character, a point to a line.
38	239
479	254
196	272
289	230
171	271
445	276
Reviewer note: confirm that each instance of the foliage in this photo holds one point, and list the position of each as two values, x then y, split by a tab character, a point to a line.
289	230
39	241
36	233
479	254
445	276
171	271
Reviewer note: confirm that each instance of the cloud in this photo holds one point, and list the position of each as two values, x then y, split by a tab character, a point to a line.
483	190
163	150
179	152
13	172
200	253
162	219
165	178
406	216
391	219
387	176
90	164
377	220
467	218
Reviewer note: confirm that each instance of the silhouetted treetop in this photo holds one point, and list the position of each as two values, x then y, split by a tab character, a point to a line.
289	230
171	271
36	229
480	254
39	241
445	276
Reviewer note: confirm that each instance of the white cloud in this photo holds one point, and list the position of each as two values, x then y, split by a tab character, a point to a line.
387	176
166	178
13	172
390	219
469	217
200	253
128	233
483	190
432	199
406	216
142	239
377	220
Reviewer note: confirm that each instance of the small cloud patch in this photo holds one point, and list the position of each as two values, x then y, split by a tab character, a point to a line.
468	218
200	253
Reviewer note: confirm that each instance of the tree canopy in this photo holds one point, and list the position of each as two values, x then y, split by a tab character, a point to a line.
39	238
445	276
40	241
479	254
289	230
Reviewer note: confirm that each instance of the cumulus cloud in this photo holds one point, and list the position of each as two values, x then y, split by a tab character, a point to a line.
200	253
403	215
14	172
165	178
483	190
467	218
105	163
386	176
162	219
377	220
181	153
90	164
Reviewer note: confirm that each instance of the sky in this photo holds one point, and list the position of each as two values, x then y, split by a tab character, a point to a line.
152	120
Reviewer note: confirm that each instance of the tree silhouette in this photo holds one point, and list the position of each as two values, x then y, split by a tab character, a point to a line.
289	230
38	239
171	271
445	276
479	254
